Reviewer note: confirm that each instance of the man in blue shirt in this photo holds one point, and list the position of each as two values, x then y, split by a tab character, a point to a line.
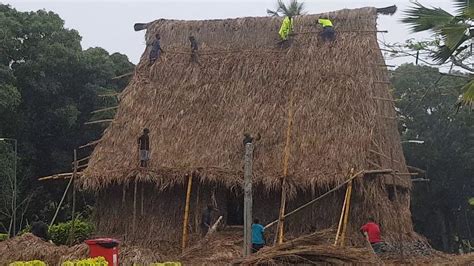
258	237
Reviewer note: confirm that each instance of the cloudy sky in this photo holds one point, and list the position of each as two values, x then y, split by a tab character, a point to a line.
109	24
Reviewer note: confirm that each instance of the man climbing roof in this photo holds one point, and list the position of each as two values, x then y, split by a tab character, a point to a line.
194	49
286	28
328	33
155	49
144	148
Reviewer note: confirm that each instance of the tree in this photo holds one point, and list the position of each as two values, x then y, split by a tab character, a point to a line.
48	88
293	9
452	40
426	111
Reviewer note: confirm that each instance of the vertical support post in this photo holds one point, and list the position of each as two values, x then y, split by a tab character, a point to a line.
341	220
73	215
286	158
248	198
397	207
186	213
346	213
134	223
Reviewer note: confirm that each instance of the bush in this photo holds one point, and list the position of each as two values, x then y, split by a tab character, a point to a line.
59	233
3	237
28	263
98	261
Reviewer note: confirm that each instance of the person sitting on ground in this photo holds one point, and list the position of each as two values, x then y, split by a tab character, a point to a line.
39	229
144	148
371	232
328	33
155	49
206	219
258	236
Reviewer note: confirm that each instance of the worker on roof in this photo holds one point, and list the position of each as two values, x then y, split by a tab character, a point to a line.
371	232
144	148
286	28
194	49
155	49
328	33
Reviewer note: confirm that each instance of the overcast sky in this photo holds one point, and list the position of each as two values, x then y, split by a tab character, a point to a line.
109	24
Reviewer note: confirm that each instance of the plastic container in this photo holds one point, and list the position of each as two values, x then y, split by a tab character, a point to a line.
104	247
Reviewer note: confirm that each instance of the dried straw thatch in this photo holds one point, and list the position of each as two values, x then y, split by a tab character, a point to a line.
197	114
309	250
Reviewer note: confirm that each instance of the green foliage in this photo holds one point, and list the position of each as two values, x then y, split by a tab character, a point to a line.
427	112
97	261
48	88
59	233
293	9
28	263
3	237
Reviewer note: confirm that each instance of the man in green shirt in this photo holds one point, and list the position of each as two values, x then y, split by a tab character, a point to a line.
328	33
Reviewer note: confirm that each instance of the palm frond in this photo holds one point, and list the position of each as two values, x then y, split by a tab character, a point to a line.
444	52
467	96
292	9
422	18
272	13
465	8
454	35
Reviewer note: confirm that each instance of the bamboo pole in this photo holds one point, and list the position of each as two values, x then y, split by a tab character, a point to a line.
71	231
317	199
104	109
341	219
61	202
186	213
135	205
286	158
397	207
346	214
98	121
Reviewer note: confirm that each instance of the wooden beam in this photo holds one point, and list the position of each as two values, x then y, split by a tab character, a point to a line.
81	160
248	164
56	176
378	171
420	180
384	99
123	75
109	95
186	213
98	121
92	143
104	109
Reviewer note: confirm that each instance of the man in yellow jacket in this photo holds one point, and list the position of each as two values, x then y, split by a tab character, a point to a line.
286	28
328	33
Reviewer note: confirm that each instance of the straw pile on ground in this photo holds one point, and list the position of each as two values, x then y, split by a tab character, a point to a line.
315	248
29	247
219	248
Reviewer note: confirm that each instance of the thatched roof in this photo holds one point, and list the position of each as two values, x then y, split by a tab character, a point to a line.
197	113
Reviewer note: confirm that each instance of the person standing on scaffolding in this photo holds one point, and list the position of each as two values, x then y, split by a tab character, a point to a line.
328	33
144	148
286	28
155	49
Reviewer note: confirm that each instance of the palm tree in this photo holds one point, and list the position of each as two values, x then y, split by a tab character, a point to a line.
293	9
455	32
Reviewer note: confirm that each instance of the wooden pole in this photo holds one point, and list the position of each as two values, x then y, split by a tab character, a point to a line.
341	219
186	213
73	216
248	198
346	214
134	223
397	207
286	158
61	202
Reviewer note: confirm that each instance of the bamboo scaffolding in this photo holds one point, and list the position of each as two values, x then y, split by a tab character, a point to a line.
318	198
81	160
186	213
104	109
92	143
109	95
98	121
285	172
346	213
123	75
341	220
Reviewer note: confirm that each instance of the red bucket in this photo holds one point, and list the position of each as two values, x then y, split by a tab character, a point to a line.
104	247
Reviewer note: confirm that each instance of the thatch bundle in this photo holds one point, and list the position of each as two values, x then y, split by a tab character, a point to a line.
197	114
315	248
29	247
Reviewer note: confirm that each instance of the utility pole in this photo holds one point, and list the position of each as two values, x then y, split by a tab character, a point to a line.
248	198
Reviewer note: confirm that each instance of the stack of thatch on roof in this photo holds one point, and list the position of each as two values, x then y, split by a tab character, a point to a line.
344	118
